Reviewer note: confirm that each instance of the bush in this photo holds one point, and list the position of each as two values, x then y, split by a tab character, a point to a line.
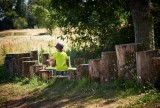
20	23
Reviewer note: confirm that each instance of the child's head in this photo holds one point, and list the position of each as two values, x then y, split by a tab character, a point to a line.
59	47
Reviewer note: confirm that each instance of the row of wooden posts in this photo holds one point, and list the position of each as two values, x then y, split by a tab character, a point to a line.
24	64
128	61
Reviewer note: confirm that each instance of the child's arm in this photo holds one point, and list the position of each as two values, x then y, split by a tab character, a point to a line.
52	62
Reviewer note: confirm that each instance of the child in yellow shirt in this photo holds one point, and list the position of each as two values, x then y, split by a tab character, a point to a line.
60	59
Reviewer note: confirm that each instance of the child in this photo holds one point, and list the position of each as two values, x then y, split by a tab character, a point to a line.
60	59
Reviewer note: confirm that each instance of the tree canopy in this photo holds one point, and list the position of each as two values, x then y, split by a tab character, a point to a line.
90	24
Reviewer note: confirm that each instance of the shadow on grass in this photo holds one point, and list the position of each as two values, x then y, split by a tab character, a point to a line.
64	93
60	93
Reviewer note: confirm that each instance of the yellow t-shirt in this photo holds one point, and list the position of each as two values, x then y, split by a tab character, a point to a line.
61	58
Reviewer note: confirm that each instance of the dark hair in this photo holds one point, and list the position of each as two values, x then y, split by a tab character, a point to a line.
59	46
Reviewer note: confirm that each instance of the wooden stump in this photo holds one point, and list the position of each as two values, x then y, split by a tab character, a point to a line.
95	69
34	55
69	61
156	72
45	57
82	71
12	63
78	61
21	60
19	63
126	59
72	73
45	74
109	66
144	65
9	66
26	67
35	69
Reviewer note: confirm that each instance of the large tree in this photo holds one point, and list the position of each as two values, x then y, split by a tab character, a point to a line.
143	22
105	18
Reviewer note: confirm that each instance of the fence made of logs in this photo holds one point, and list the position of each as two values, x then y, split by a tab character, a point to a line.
129	61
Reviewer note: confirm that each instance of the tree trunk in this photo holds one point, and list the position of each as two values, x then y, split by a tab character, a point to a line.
143	23
126	59
144	65
109	66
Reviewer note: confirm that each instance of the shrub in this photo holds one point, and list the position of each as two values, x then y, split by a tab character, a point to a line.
20	23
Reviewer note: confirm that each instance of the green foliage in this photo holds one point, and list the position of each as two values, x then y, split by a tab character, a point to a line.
151	97
20	23
3	50
40	14
85	52
95	25
40	54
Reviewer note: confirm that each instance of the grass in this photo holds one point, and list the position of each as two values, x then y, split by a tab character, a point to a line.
81	93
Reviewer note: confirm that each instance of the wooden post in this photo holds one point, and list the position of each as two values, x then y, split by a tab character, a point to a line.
13	64
26	67
72	73
34	55
21	60
69	61
45	74
45	57
12	61
95	69
9	66
78	61
82	71
34	69
109	66
126	59
19	63
156	72
144	65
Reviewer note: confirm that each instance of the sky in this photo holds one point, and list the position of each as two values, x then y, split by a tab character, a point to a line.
26	1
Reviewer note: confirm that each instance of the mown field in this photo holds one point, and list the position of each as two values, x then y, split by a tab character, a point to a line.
20	41
34	93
